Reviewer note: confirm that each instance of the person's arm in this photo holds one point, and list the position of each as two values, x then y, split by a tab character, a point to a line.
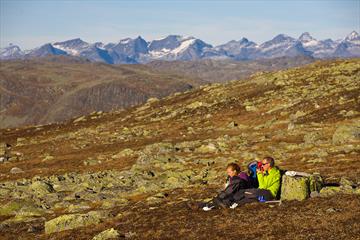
230	189
261	180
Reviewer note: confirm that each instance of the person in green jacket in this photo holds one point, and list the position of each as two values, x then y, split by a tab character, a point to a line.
269	178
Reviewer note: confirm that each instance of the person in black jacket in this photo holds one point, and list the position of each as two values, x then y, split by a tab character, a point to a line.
236	181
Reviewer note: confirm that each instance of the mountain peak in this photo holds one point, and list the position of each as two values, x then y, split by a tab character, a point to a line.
75	41
306	37
139	38
282	37
125	40
352	36
244	40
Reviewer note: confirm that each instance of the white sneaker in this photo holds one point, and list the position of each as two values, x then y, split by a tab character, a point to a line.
234	205
206	208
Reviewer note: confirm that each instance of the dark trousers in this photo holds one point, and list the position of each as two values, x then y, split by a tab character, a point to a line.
218	202
251	195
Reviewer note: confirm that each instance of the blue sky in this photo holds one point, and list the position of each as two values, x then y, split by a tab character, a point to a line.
30	23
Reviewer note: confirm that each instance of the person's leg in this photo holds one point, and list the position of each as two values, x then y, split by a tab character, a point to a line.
245	196
266	193
239	195
222	202
252	194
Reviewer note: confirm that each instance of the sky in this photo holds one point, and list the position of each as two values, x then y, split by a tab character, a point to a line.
31	23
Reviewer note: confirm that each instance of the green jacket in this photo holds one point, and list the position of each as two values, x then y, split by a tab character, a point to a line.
270	182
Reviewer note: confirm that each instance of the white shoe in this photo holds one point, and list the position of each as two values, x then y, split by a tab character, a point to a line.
206	208
234	205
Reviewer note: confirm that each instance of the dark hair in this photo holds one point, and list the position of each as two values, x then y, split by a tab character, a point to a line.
270	160
234	166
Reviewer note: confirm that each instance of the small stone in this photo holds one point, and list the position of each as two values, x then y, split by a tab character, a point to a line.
152	100
330	210
251	108
91	162
80	119
210	148
232	125
48	158
20	142
16	170
197	104
291	126
107	234
314	194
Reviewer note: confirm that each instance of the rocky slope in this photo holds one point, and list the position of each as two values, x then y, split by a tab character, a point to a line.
127	174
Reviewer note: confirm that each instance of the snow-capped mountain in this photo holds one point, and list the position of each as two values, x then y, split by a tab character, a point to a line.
128	50
175	47
279	46
319	49
11	52
349	47
72	47
45	50
238	50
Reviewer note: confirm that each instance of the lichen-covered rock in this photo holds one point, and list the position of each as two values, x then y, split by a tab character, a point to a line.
124	153
315	183
107	234
330	191
41	188
20	208
346	182
346	133
210	148
72	221
312	137
295	188
10	208
197	104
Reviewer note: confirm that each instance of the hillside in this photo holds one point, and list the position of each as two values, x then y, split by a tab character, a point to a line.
226	70
133	170
54	89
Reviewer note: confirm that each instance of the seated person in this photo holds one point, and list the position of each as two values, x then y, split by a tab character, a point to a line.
269	178
236	181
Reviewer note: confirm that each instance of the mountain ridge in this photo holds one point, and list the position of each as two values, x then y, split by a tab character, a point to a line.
176	47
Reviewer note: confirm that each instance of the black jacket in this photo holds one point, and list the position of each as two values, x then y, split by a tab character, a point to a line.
235	184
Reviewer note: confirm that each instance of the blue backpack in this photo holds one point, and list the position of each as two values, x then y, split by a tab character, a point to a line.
252	173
